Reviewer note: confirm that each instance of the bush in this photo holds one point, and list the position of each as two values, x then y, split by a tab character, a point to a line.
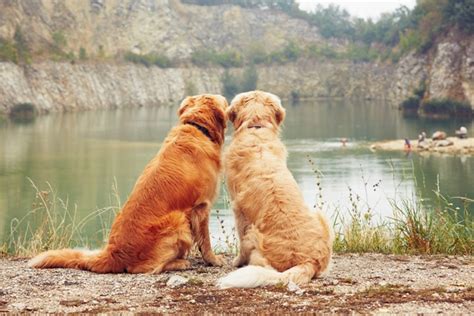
227	59
151	59
447	106
410	104
324	51
361	53
21	46
256	54
231	85
249	79
8	51
82	53
22	111
190	88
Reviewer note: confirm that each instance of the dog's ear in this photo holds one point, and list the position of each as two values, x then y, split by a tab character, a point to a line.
231	114
220	113
280	115
280	112
188	101
234	104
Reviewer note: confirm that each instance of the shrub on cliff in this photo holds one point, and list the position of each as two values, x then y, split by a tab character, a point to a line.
151	59
8	51
22	112
447	106
410	104
231	85
226	59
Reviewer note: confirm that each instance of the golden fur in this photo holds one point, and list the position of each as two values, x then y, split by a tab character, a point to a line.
169	206
275	227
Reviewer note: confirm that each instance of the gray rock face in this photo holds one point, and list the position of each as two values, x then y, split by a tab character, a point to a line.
448	71
107	28
165	26
66	87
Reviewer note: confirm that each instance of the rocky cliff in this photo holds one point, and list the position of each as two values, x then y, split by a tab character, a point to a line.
65	87
106	29
446	71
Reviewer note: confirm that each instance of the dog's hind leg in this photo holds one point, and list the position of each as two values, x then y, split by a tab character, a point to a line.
248	246
177	264
200	230
301	274
171	243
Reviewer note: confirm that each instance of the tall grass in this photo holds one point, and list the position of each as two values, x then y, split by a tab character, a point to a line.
414	227
53	223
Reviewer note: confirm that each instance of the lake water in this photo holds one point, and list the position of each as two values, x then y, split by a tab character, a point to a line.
82	154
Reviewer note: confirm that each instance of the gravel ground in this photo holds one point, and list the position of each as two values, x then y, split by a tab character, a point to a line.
368	283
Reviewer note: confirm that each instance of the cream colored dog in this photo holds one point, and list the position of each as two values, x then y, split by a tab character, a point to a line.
280	239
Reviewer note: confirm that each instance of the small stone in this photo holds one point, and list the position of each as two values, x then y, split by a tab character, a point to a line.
176	280
18	306
293	287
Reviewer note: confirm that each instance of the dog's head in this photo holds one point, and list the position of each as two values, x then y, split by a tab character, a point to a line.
256	109
207	110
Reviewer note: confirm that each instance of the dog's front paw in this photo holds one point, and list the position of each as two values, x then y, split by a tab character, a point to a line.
216	261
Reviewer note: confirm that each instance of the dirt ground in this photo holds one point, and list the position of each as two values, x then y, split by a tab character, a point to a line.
368	283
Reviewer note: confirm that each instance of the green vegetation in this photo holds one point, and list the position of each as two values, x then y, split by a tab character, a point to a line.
232	85
399	32
415	227
56	225
151	59
22	112
411	104
226	59
15	50
8	51
57	50
447	106
82	53
190	88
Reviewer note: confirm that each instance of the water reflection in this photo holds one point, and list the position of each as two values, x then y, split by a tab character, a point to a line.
81	154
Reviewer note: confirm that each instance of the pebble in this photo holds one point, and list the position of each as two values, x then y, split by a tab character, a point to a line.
293	287
18	306
176	280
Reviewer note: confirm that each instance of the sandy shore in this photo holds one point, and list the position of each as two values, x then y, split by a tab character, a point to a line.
458	146
369	283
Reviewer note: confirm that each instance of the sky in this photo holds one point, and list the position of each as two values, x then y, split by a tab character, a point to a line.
362	9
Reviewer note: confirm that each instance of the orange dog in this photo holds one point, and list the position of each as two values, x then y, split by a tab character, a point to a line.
280	239
169	205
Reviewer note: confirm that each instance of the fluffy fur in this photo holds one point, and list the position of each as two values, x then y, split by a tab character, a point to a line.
169	206
276	229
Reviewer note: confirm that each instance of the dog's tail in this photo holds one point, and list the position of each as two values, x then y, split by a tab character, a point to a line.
97	261
256	276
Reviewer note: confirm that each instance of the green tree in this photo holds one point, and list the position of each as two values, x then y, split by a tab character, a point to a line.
230	85
22	48
249	79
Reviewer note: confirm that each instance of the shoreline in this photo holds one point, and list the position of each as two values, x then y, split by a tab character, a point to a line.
456	146
357	283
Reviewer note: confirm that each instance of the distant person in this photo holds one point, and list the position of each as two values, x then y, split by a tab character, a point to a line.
421	137
439	135
344	142
462	132
407	146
